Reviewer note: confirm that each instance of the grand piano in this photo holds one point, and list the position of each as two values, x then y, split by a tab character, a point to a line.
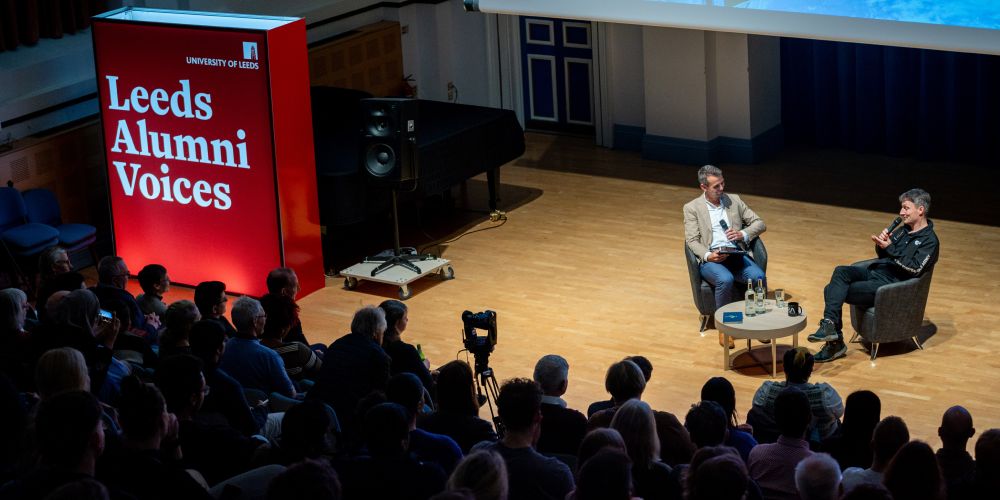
454	142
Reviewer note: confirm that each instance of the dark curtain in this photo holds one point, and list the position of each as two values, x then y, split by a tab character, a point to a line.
23	22
898	101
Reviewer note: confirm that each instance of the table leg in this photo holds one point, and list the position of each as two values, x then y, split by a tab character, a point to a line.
774	358
726	362
795	339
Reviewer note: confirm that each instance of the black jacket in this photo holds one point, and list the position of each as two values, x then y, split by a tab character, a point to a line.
910	254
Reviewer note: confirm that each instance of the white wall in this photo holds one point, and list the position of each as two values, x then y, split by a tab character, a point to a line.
732	80
675	84
626	81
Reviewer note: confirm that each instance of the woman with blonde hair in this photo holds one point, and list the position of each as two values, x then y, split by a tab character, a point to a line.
483	473
61	369
635	422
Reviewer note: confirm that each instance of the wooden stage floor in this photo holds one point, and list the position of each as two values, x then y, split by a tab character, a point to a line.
590	266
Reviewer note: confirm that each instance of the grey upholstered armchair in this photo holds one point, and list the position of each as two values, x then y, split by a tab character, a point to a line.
898	313
704	295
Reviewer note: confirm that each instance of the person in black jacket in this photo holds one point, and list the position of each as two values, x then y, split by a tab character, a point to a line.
904	253
405	358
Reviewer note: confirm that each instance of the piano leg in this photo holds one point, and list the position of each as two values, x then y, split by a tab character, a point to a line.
493	183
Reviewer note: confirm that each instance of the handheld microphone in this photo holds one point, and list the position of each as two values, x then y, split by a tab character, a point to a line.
889	229
725	227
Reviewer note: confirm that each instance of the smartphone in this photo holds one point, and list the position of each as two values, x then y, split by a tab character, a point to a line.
106	314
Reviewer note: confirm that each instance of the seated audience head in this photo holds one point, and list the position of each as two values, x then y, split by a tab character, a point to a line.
520	405
153	280
369	322
61	369
78	309
483	473
717	473
396	319
406	390
282	313
142	412
889	436
181	315
862	412
867	491
606	476
456	391
210	297
635	422
597	440
248	317
707	423
913	474
307	431
798	363
68	431
817	477
208	342
792	413
643	363
67	281
283	281
721	390
13	310
111	270
956	428
182	384
387	430
624	381
552	374
309	479
988	456
53	261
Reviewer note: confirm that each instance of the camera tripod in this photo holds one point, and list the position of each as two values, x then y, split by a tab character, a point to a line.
488	382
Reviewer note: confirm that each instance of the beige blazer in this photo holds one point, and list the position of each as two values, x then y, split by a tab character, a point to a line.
698	224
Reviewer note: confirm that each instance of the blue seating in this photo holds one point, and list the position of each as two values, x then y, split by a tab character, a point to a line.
21	237
43	208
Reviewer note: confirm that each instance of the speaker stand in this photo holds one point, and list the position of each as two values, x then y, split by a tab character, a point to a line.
397	258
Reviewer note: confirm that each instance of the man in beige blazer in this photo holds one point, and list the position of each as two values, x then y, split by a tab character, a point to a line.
714	223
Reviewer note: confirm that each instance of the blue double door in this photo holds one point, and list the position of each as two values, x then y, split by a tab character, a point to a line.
557	74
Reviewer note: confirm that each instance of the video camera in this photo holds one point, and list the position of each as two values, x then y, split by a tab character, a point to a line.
480	345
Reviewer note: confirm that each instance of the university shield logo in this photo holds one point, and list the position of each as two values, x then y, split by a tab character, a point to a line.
250	51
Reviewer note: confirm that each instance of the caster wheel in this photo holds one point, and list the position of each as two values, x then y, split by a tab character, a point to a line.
405	293
350	283
448	273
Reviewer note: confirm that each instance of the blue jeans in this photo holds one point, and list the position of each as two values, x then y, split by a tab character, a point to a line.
722	276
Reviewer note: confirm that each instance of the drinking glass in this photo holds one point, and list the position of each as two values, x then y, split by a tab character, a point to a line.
779	297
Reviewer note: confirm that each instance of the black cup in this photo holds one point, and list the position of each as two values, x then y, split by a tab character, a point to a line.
794	309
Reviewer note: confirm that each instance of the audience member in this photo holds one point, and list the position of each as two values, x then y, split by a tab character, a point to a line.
817	477
309	479
772	465
112	278
226	396
987	464
913	474
563	428
61	282
867	491
179	318
308	431
597	440
64	369
483	474
249	362
647	373
721	390
625	381
405	358
635	422
154	282
147	465
827	407
53	261
706	422
718	473
957	467
606	476
531	475
353	366
850	445
210	298
282	314
457	414
406	390
15	347
283	281
889	436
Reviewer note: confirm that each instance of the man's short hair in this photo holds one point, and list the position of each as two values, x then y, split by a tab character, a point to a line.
519	402
889	436
798	363
817	477
64	424
368	321
707	423
386	427
406	390
179	377
206	295
205	338
313	479
706	171
988	454
180	315
279	278
624	381
308	430
643	363
608	474
792	412
550	372
918	197
282	312
150	276
109	268
717	473
140	409
245	311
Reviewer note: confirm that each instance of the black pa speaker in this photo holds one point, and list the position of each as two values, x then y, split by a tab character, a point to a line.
389	139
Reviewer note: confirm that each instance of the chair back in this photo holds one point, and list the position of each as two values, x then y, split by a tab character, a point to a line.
42	206
12	209
701	291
